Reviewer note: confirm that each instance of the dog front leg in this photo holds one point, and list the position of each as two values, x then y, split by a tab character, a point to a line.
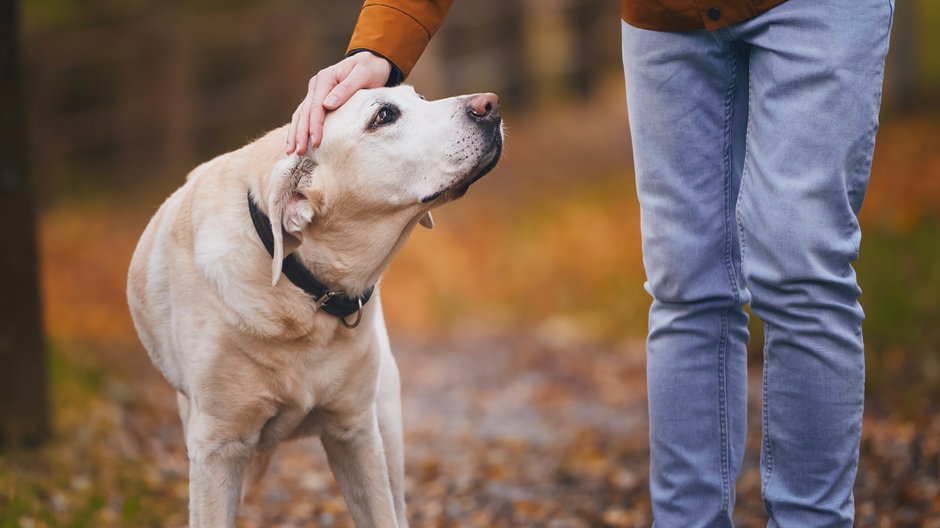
216	469
357	459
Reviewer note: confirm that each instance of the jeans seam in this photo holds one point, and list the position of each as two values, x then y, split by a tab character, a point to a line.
726	160
723	414
887	34
742	243
729	268
768	445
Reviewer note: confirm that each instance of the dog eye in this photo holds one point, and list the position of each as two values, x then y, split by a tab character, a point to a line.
385	115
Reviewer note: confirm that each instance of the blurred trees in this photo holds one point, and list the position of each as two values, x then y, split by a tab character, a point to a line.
23	401
125	93
912	79
530	52
902	82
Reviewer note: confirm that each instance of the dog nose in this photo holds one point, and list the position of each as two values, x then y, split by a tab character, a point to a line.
484	106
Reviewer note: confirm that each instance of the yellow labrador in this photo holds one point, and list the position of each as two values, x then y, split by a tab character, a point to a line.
253	290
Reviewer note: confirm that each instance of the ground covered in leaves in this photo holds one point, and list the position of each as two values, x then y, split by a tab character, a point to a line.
499	432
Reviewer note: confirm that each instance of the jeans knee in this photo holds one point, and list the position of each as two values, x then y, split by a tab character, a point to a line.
683	283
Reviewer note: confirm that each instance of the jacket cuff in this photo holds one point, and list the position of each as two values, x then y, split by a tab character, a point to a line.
395	77
392	34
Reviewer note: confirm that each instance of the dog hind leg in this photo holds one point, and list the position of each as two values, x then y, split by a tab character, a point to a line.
356	457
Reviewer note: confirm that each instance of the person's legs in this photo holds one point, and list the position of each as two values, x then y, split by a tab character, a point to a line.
686	95
815	90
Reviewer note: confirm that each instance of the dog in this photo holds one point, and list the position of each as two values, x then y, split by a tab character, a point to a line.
254	291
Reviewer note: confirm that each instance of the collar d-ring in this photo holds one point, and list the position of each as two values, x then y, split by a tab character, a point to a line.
358	320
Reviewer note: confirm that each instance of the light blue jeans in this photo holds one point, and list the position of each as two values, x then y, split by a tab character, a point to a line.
753	148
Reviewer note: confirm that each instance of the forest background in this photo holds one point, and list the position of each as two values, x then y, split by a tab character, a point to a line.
518	322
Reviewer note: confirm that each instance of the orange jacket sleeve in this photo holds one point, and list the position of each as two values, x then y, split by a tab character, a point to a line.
398	30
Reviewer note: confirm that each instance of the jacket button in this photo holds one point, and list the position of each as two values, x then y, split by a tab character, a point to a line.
713	13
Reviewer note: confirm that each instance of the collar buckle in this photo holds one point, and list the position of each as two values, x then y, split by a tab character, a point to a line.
323	299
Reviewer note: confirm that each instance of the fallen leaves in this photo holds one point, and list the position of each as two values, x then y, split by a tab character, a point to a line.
500	432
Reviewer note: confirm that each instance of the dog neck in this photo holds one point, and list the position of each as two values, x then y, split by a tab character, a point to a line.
343	248
338	253
333	301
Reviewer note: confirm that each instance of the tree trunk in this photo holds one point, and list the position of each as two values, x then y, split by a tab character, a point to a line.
24	416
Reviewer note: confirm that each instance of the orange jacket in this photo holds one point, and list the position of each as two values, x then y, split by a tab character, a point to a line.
399	30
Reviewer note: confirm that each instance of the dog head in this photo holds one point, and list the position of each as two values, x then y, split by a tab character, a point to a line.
387	157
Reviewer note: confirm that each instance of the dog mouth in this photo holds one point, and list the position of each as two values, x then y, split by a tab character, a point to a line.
486	164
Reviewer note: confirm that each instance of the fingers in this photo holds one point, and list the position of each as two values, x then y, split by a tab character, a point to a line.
317	113
300	136
305	122
297	132
328	90
330	96
315	123
307	126
291	130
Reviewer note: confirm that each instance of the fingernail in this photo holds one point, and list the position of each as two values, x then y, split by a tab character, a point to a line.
331	100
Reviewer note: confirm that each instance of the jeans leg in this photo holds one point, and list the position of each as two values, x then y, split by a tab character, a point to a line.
686	96
815	90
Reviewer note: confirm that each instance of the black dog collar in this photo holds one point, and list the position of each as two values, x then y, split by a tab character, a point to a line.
332	302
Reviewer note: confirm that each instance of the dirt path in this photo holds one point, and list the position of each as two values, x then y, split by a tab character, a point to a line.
498	434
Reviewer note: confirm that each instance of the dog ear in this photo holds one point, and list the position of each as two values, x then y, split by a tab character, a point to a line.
291	203
427	220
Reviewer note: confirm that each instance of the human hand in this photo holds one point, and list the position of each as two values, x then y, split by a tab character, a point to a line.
328	90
